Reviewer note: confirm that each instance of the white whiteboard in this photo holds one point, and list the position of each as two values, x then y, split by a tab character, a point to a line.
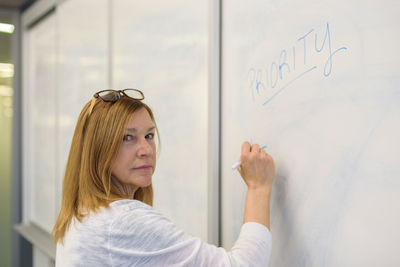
329	112
82	67
40	123
66	63
161	48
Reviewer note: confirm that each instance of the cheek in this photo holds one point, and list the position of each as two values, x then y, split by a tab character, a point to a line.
153	147
127	153
114	169
122	161
154	155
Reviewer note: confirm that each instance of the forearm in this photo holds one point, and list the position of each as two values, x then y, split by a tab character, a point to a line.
257	206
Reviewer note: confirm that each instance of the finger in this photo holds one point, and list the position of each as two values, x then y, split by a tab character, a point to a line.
263	150
245	148
255	148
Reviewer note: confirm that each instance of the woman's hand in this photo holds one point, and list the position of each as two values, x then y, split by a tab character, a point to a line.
257	168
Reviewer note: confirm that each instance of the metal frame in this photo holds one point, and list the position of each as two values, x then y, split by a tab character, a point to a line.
36	12
214	125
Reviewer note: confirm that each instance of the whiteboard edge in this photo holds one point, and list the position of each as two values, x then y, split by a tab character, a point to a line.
214	115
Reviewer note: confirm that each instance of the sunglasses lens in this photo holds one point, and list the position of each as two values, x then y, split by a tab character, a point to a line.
136	94
109	95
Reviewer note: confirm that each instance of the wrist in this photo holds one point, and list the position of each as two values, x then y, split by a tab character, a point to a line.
257	206
260	190
259	187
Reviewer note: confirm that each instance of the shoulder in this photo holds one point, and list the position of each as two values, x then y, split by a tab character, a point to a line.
131	211
137	222
144	237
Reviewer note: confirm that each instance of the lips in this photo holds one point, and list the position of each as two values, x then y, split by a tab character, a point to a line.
143	168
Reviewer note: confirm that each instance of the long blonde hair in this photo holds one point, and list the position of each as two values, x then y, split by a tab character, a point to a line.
88	182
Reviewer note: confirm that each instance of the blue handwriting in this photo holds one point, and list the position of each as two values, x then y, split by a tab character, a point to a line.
275	75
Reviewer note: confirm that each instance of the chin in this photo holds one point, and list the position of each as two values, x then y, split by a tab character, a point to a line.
147	184
145	181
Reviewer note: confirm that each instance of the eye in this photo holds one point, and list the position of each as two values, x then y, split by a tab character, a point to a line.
128	138
150	136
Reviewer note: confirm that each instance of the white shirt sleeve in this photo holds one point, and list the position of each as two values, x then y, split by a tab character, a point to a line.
144	237
253	247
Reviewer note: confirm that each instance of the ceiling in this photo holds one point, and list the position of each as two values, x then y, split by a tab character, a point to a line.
15	4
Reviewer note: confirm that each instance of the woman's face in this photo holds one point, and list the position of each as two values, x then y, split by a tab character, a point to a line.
136	161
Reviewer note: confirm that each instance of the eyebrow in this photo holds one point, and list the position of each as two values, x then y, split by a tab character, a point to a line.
135	130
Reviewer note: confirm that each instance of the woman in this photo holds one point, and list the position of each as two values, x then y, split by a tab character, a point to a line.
106	218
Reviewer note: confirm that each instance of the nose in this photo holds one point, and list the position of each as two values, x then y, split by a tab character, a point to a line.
144	148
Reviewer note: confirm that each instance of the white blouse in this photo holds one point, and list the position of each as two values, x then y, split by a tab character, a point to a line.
131	233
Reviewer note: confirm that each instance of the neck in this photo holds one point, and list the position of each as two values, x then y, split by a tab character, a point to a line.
126	190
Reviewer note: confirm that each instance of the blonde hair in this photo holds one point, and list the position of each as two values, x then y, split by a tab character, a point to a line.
88	182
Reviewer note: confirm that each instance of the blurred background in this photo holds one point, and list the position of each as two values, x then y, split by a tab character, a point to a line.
11	244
